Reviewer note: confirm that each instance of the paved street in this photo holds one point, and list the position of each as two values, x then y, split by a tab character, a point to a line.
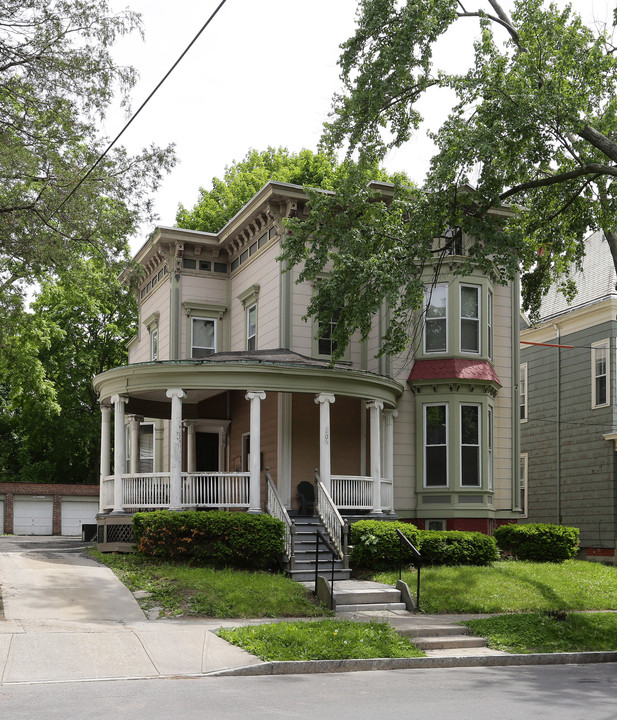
547	693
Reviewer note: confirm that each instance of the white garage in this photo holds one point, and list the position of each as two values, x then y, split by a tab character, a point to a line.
77	511
33	514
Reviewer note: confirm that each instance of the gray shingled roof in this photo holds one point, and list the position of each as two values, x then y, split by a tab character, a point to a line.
596	281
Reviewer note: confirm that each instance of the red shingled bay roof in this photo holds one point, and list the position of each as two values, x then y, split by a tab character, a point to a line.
453	369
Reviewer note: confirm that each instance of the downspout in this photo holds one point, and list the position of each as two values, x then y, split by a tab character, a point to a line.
558	429
516	417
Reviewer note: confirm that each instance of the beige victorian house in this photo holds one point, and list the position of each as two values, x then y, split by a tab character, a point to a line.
230	399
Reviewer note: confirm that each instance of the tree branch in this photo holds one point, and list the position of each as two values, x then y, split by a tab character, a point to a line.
589	169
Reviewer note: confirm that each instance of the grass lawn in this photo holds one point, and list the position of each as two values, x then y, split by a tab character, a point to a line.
331	639
181	589
508	586
542	633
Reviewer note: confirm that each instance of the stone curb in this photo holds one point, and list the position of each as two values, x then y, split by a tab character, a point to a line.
336	666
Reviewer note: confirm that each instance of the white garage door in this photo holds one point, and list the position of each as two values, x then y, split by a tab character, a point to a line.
33	515
77	511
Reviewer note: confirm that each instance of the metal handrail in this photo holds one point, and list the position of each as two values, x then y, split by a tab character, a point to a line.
333	553
334	524
404	540
276	508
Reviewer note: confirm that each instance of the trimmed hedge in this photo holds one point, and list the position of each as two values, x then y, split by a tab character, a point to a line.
219	538
457	547
538	541
376	546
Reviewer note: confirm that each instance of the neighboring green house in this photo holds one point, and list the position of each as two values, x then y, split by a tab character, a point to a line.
568	407
226	378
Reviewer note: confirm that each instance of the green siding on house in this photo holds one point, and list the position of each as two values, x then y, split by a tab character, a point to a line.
571	467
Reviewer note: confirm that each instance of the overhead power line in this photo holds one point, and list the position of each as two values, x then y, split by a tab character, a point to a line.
141	107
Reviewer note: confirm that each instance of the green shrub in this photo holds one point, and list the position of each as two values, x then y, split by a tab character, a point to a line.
541	542
376	546
218	538
456	547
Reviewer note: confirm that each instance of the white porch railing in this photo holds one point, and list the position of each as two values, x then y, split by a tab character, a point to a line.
335	526
387	495
151	490
275	507
352	492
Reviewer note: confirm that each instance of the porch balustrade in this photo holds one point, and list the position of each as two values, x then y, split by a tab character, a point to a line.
355	492
152	490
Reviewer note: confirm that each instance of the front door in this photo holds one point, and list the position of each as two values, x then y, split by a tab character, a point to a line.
207	452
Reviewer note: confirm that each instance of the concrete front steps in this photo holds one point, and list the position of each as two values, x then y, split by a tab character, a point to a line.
360	596
442	637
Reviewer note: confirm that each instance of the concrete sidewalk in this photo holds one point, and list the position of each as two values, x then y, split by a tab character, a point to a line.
67	618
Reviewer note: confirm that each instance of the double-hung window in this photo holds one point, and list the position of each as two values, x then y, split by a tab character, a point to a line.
251	327
436	445
325	344
436	319
522	385
600	376
470	446
154	344
203	337
470	318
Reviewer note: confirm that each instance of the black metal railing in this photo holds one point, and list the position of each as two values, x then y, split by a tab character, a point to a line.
320	536
417	562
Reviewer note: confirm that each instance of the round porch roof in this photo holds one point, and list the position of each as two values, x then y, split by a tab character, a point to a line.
269	370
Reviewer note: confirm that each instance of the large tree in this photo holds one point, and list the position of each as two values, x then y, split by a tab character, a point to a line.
49	413
57	80
533	128
242	179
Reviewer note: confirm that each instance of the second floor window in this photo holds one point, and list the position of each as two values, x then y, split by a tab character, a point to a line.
251	327
436	319
203	337
325	344
154	345
599	374
470	318
522	385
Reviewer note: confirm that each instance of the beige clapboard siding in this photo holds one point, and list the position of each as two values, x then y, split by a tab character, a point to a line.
404	456
201	288
262	270
503	431
301	330
156	301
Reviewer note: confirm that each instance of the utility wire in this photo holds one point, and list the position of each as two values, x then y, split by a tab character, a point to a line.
145	102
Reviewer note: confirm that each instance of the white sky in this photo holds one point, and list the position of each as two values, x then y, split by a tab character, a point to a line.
263	73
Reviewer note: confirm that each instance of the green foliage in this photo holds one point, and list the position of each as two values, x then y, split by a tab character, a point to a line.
376	546
243	179
181	589
548	632
334	639
216	538
514	587
532	127
541	542
77	328
454	547
58	80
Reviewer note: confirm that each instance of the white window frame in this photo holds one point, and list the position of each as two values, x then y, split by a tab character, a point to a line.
490	446
523	470
489	325
523	412
154	344
193	346
604	346
477	445
427	302
251	338
477	320
141	455
426	446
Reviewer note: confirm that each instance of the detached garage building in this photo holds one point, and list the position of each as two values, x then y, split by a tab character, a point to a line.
47	509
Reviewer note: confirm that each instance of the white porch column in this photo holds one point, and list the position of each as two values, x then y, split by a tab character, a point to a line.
134	422
375	409
175	449
324	400
388	448
255	396
119	401
105	450
191	446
